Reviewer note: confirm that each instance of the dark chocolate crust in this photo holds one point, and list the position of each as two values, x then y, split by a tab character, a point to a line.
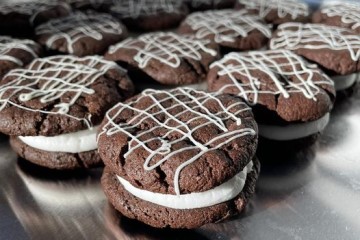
110	88
56	160
163	217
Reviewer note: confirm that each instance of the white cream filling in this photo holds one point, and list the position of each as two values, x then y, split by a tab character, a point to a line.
294	131
219	194
81	141
344	82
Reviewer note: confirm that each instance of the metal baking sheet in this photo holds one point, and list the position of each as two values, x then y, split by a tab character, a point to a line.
313	195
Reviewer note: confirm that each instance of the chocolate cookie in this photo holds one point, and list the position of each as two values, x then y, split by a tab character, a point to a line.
16	53
336	50
166	57
53	106
171	155
98	5
345	15
81	33
149	15
231	29
18	18
277	12
201	5
291	98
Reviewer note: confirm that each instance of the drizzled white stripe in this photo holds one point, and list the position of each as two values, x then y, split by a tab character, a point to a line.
7	44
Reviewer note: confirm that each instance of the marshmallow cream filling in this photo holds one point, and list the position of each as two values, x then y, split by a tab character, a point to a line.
344	82
293	131
81	141
222	193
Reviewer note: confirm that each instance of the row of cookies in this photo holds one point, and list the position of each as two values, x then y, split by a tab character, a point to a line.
209	137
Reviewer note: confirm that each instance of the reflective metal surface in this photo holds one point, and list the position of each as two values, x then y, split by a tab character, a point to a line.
313	195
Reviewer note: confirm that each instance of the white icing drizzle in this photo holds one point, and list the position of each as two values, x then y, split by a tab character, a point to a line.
349	13
192	103
226	25
7	44
294	8
296	74
136	8
77	26
58	75
165	47
293	36
32	8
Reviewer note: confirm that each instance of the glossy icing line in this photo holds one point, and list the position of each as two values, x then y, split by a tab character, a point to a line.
191	102
58	75
77	26
226	25
7	44
167	48
272	64
293	36
294	8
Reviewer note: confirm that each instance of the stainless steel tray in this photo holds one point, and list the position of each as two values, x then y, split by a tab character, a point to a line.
314	195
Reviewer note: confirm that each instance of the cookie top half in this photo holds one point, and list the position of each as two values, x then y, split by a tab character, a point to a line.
178	141
35	12
60	94
16	53
333	48
81	33
277	12
167	57
149	15
346	14
229	28
276	82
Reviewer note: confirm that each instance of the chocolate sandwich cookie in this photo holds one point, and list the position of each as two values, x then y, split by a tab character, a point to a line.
336	50
165	57
346	14
81	33
18	18
201	5
179	158
98	5
15	53
150	15
231	29
277	12
290	97
51	109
